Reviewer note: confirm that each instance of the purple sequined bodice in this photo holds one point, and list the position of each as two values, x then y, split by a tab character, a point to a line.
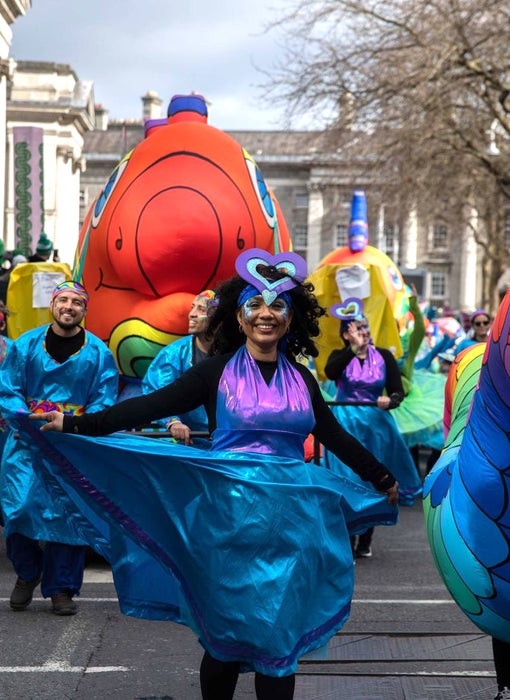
362	381
252	416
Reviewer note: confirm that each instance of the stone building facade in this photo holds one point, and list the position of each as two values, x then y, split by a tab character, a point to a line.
10	10
49	97
312	177
314	183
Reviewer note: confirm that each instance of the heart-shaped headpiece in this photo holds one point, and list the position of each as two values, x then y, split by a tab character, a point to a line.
271	274
350	309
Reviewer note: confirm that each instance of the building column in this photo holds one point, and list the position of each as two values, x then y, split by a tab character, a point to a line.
6	67
468	264
315	216
9	11
409	241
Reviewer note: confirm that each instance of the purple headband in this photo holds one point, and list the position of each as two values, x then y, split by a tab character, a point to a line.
71	286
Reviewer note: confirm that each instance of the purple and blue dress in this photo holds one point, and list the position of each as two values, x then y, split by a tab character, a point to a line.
361	383
246	543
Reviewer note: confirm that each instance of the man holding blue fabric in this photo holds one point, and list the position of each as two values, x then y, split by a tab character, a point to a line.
59	365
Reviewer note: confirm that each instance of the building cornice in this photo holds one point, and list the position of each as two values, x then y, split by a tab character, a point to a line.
11	9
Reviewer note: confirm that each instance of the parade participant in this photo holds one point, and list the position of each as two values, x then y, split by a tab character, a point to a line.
255	537
4	346
367	374
78	371
420	416
480	326
43	249
174	359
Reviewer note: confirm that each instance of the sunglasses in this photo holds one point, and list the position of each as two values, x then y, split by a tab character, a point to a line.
480	323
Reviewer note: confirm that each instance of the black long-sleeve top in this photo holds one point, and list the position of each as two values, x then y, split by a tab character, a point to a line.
339	359
199	386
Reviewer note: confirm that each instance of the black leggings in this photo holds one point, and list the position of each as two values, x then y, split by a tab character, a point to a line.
218	681
501	653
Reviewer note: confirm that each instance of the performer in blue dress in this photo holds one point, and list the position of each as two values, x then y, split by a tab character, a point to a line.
251	541
368	381
174	359
62	361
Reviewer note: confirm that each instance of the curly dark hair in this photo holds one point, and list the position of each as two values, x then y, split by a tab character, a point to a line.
224	327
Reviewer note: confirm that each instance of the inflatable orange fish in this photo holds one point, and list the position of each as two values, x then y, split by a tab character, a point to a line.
169	223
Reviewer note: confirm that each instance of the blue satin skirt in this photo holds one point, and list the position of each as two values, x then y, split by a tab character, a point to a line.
251	552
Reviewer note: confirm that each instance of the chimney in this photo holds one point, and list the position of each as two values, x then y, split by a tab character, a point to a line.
101	116
347	109
151	105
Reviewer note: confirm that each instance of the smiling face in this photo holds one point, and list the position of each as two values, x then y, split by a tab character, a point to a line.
198	318
481	325
68	310
264	325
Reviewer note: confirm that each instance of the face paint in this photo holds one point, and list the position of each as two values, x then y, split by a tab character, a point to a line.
255	304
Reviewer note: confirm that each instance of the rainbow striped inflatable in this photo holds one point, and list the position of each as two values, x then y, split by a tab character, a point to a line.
466	495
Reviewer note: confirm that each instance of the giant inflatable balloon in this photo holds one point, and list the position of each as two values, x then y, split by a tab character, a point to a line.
364	272
169	223
466	495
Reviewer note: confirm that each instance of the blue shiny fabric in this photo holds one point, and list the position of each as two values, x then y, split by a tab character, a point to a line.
250	552
5	343
28	378
168	365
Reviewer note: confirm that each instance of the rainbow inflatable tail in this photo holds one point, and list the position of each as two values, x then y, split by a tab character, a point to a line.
466	495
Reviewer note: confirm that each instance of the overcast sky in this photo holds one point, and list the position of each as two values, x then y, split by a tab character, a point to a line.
127	47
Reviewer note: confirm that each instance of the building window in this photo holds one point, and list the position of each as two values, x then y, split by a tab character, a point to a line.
84	198
438	285
300	237
389	239
440	236
301	200
341	235
345	200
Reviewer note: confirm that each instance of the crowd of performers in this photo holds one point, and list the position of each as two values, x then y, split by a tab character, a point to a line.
242	372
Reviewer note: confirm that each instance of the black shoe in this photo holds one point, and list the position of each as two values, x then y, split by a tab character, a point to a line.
63	604
22	594
363	551
504	694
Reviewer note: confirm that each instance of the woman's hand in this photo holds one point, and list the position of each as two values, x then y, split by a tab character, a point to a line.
54	420
180	431
392	494
383	402
355	337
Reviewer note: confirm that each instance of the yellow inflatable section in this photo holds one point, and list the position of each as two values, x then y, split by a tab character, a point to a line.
29	293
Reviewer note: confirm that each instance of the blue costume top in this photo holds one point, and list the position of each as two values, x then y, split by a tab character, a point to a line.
5	343
465	343
170	362
245	543
365	381
30	379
